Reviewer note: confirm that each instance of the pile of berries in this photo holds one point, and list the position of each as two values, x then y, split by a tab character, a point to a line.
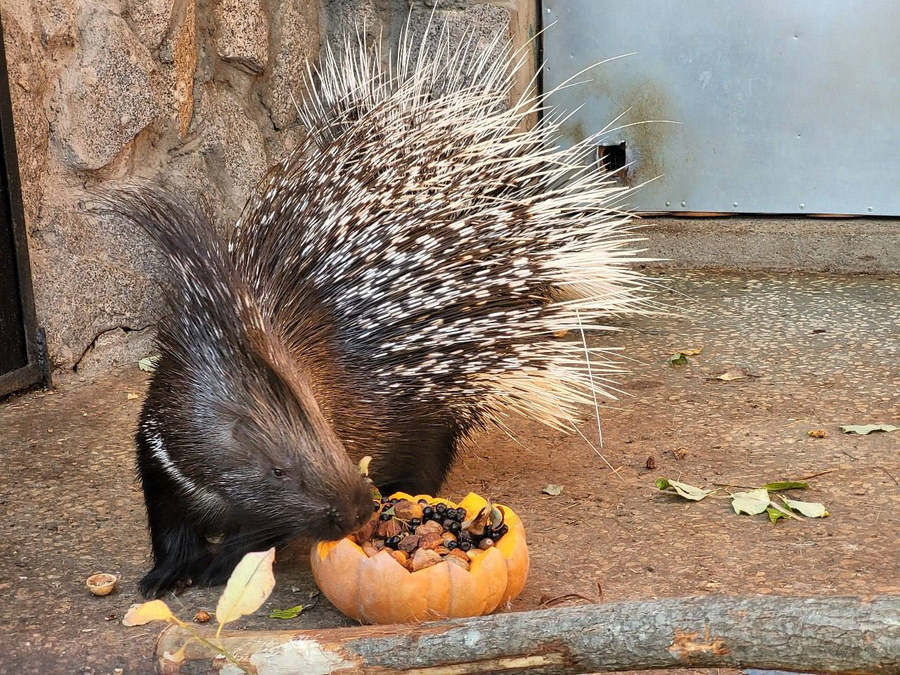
421	534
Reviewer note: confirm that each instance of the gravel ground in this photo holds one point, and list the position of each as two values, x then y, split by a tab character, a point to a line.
815	352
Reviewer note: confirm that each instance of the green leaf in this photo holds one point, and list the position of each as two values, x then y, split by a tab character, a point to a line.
777	514
552	490
808	509
786	485
695	494
866	429
290	613
677	359
148	365
249	586
752	502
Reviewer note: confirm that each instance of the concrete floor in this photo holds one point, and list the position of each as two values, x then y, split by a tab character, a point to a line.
823	350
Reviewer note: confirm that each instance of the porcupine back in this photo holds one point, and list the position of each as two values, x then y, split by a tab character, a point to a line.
437	243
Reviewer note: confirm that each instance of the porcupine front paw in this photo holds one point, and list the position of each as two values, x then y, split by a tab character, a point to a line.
162	579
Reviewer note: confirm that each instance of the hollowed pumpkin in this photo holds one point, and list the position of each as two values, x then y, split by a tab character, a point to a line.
381	590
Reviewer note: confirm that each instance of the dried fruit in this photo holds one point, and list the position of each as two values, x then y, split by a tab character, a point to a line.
389	528
817	433
201	617
400	557
425	558
650	463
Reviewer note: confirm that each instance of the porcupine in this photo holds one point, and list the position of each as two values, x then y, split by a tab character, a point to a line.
391	286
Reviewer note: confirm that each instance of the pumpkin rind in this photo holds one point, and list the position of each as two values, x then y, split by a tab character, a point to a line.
380	590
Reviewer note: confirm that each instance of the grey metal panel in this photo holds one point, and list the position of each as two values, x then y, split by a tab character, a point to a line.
785	106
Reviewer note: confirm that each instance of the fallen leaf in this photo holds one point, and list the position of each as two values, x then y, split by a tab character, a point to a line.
650	463
290	613
817	433
866	429
730	375
249	586
808	509
364	465
752	502
148	364
155	610
677	359
775	514
691	352
695	494
679	453
131	396
552	490
786	485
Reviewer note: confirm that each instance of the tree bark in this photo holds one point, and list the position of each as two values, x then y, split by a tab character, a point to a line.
824	635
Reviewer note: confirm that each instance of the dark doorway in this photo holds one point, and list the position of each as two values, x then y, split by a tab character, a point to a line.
19	367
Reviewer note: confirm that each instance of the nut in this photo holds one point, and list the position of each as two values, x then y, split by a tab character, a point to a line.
101	583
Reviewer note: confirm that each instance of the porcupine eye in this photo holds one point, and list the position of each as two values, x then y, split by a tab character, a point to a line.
278	473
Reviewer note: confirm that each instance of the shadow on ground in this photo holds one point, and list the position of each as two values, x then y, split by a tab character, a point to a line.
819	351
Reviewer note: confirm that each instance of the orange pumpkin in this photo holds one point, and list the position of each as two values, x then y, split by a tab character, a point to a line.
381	590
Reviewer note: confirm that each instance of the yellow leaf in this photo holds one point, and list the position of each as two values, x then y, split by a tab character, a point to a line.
691	352
730	375
250	585
364	465
155	610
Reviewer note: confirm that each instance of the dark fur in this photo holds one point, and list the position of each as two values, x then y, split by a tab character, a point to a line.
229	403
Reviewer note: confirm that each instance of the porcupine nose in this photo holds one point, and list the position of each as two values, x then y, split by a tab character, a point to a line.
354	512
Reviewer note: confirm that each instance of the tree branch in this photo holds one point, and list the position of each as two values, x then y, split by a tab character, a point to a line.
858	636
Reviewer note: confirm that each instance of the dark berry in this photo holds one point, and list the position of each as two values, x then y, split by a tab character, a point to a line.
446	523
415	522
385	516
488	533
461	514
375	506
454	526
441	508
464	536
423	502
464	545
451	545
428	513
503	530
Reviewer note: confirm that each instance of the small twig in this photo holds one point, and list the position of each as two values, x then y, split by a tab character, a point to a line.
550	602
889	475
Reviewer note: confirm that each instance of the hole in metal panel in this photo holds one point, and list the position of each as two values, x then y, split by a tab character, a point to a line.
613	159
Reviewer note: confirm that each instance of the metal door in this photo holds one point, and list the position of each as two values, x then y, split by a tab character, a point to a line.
19	367
755	107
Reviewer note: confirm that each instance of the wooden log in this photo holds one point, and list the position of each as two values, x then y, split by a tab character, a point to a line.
858	636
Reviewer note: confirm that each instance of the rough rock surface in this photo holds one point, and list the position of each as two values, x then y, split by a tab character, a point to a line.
94	275
232	145
150	20
106	96
297	29
242	35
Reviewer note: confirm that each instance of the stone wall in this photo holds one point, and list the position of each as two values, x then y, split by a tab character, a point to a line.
196	93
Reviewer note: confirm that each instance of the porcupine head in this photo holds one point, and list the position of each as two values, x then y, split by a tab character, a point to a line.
393	284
